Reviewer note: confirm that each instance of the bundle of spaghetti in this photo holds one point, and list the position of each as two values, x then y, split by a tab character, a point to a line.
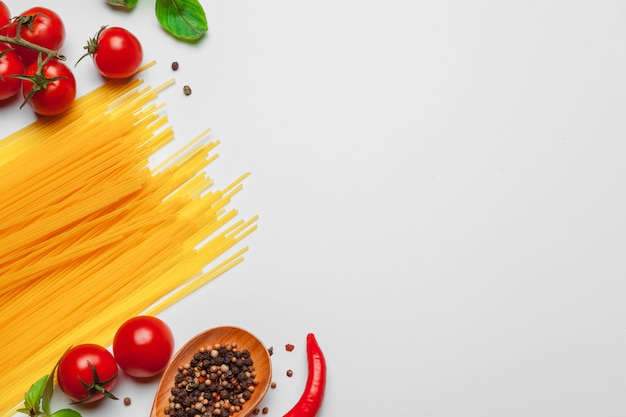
91	234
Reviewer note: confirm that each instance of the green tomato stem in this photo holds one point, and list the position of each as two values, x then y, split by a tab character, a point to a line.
19	41
26	44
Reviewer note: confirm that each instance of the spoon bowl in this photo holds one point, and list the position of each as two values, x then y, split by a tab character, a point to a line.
207	339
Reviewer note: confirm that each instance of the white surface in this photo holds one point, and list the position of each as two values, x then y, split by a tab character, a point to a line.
440	188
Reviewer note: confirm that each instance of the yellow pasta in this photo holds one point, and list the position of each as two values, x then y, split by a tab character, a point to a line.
86	222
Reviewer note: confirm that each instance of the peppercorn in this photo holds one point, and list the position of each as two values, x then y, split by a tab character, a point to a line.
273	385
289	347
289	373
175	66
187	90
265	410
212	383
127	401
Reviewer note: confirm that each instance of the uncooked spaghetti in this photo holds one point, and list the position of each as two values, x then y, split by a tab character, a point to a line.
91	234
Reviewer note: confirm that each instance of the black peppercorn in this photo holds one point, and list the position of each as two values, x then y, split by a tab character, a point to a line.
216	382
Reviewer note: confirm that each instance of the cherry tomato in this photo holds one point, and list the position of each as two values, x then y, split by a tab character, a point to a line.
116	52
5	17
143	346
40	26
10	64
51	91
92	365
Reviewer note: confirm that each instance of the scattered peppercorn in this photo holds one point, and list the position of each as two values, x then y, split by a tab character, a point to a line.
273	385
127	401
175	66
289	373
187	90
216	382
289	347
270	350
265	410
256	411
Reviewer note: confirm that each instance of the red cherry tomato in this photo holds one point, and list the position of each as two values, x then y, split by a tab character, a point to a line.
91	364
143	346
116	52
10	64
53	91
40	26
5	17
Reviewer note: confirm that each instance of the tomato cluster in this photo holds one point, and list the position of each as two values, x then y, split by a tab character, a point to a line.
46	83
142	348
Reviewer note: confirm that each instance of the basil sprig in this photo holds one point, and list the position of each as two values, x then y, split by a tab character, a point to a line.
184	19
37	399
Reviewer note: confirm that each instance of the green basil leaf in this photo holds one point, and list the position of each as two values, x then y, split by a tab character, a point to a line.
34	394
49	388
184	19
47	392
123	3
66	412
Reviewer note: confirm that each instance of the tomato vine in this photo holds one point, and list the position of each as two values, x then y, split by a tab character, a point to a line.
19	41
36	37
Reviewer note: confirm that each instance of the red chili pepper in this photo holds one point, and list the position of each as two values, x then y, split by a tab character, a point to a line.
311	399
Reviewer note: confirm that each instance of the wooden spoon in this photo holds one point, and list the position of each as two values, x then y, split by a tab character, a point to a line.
222	335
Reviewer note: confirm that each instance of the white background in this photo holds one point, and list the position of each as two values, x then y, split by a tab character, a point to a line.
440	187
